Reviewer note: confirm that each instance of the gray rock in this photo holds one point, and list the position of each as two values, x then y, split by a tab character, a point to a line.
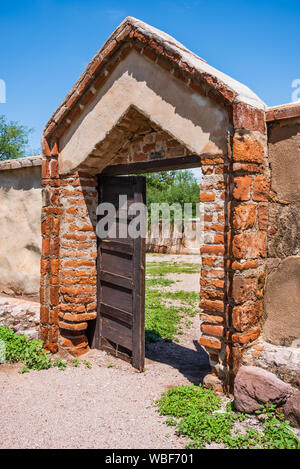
254	387
291	410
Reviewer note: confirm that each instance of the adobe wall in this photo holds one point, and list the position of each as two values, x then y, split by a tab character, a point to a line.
282	291
20	226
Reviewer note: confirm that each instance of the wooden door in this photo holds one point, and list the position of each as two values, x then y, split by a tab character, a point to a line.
120	324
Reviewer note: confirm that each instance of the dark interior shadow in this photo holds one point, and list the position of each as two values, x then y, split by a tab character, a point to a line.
192	363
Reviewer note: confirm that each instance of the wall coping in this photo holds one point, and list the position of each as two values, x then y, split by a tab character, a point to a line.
284	111
18	163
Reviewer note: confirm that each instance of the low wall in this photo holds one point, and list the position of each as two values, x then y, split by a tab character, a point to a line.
21	315
173	243
20	226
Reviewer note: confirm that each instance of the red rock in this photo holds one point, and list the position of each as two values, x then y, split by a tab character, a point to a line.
292	410
254	387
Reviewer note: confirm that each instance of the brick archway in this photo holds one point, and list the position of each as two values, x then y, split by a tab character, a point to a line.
191	109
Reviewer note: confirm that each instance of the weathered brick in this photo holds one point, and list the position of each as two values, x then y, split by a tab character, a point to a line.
46	226
73	326
249	245
55	264
217	250
45	169
207	197
55	226
246	337
212	319
261	189
209	261
76	291
243	265
246	316
263	216
243	288
212	330
248	117
248	150
71	308
54	295
45	247
44	314
216	306
54	247
244	216
53	316
44	266
210	342
212	283
75	341
79	317
211	294
242	187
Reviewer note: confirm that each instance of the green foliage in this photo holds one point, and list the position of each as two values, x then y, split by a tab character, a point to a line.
19	348
60	364
196	414
172	187
76	362
29	352
13	139
182	401
163	268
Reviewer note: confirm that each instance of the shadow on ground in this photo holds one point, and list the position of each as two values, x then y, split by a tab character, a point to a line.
193	363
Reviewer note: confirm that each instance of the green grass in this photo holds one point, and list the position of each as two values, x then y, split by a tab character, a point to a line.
195	412
164	319
159	282
163	268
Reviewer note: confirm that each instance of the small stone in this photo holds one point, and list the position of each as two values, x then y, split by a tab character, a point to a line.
212	382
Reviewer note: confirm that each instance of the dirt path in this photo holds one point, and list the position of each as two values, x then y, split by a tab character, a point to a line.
107	406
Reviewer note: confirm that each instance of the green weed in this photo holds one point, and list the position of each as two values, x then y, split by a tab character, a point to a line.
196	414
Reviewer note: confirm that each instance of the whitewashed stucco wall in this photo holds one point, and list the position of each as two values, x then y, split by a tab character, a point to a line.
20	226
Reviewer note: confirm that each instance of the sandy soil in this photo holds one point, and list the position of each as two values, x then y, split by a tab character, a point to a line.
108	406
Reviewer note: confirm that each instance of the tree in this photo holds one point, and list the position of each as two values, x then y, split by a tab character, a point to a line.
173	187
13	139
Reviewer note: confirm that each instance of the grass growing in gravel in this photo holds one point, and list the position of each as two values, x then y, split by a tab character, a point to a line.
18	348
163	268
164	319
196	414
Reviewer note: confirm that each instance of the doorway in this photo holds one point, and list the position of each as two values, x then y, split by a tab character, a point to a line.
120	325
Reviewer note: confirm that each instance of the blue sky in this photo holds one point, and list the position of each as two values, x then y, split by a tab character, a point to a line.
46	44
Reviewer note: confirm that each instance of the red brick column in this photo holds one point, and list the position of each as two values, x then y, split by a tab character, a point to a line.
68	262
232	278
213	198
49	290
78	254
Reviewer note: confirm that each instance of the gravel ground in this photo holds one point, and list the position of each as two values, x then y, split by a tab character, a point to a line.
108	406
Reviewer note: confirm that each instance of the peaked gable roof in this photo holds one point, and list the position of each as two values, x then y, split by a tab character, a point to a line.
165	49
